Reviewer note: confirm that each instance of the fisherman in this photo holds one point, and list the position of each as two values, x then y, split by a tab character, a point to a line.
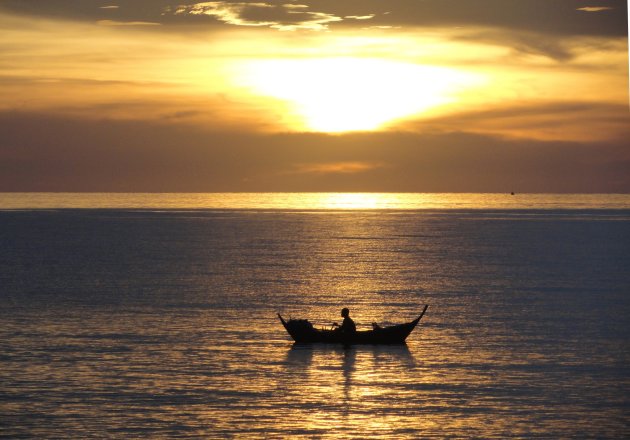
347	326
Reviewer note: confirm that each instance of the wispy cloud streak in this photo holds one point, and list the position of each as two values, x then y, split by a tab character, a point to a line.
286	17
595	8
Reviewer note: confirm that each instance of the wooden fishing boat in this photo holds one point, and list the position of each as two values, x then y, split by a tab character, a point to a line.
302	331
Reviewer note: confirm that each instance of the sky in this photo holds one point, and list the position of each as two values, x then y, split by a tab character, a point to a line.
314	95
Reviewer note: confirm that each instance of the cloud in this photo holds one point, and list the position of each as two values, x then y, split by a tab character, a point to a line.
557	17
109	7
360	17
285	17
335	168
520	42
126	23
42	152
550	121
595	8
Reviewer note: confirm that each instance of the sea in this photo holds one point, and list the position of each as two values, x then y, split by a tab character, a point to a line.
155	315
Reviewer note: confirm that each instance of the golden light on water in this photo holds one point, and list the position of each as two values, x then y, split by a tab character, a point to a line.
340	94
352	200
311	201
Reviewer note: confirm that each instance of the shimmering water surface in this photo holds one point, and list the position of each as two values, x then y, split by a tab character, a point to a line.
312	201
160	321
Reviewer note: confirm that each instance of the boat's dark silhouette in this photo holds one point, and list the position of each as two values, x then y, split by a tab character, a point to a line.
302	331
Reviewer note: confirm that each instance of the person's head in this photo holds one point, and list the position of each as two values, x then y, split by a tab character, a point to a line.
345	312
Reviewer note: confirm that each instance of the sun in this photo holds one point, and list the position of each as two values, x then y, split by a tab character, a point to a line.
343	94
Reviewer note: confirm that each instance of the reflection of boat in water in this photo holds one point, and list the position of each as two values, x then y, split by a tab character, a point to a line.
302	331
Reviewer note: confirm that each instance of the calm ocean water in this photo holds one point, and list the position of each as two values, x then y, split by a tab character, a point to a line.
154	316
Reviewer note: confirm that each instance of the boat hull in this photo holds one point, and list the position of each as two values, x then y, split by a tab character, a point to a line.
303	332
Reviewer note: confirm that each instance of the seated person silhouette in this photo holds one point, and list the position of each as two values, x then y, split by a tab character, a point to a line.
347	326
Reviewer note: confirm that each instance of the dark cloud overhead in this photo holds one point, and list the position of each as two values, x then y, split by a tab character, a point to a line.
563	17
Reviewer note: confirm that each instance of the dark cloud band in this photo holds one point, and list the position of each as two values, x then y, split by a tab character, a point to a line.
561	17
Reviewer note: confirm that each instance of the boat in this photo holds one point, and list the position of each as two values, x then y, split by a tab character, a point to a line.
302	331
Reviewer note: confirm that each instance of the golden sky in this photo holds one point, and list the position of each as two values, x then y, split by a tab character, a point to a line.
440	95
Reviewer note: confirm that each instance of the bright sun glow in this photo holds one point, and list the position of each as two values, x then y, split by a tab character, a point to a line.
348	94
351	200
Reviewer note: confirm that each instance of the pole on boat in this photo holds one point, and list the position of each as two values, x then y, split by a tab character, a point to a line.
426	306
